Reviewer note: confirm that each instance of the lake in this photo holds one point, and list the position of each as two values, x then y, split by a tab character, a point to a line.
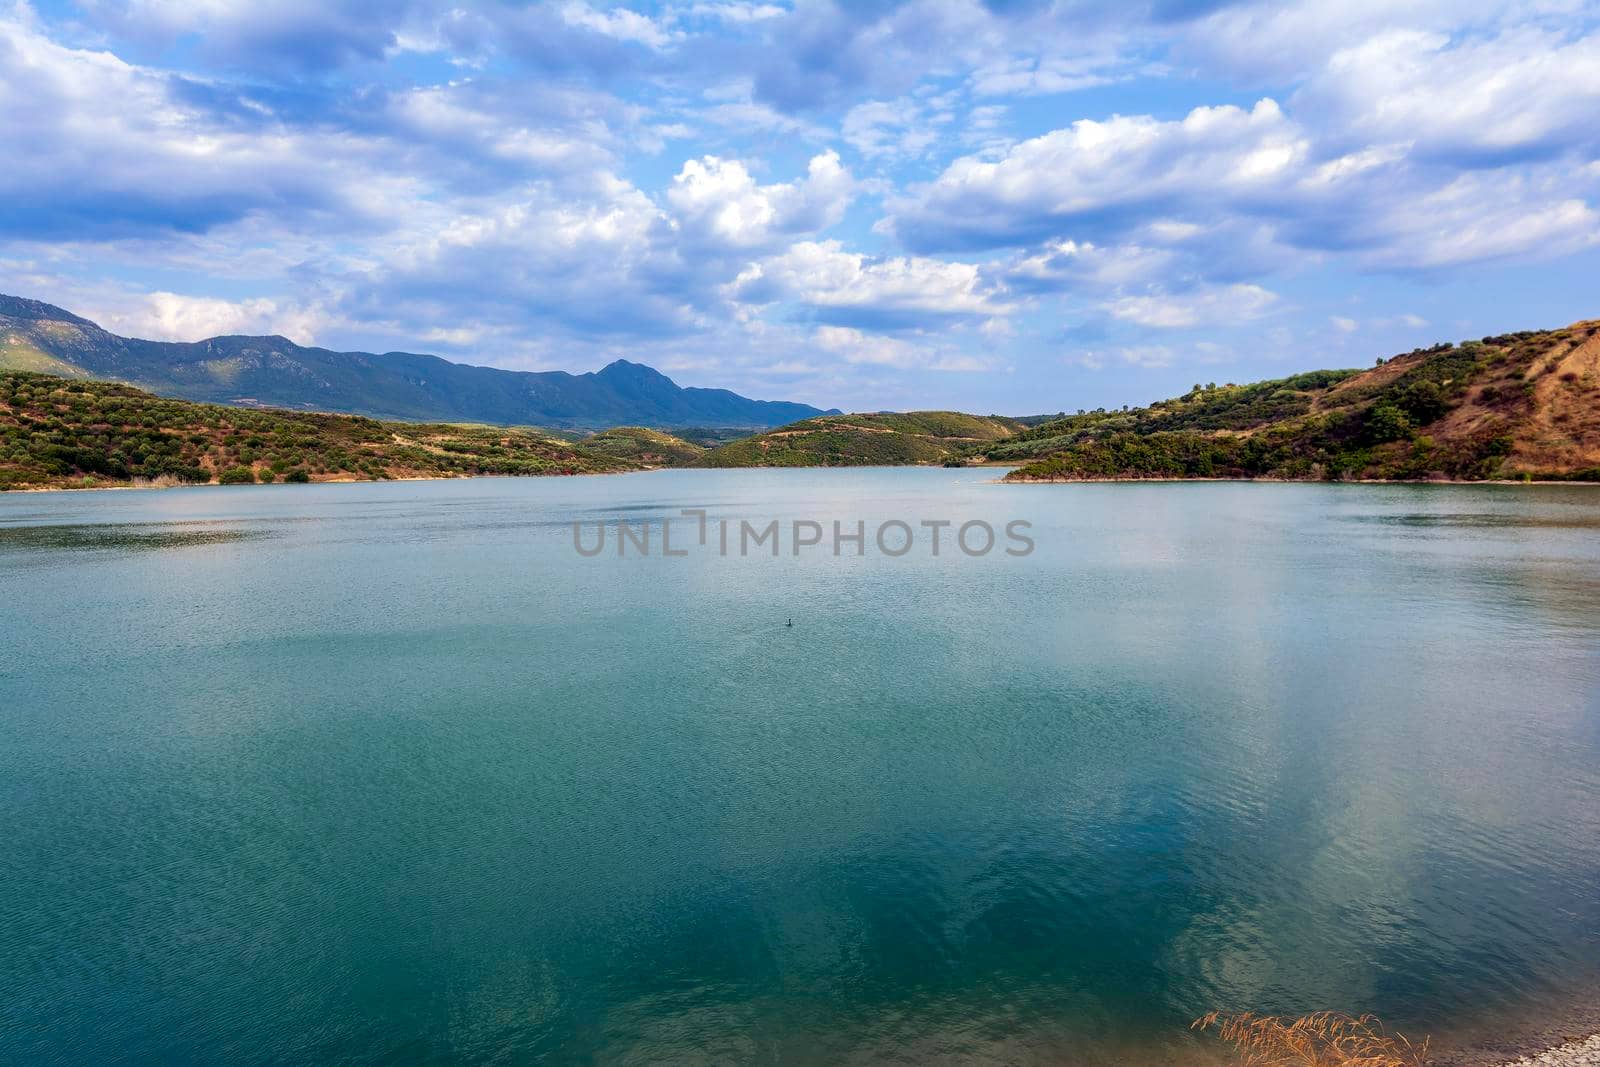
390	772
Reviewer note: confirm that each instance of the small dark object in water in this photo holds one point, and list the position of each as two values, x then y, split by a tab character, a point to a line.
788	624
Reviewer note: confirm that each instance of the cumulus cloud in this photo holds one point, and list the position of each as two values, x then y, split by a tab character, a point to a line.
1223	169
849	288
1083	265
1476	217
100	147
603	260
718	202
597	266
1523	94
1259	42
1107	172
164	316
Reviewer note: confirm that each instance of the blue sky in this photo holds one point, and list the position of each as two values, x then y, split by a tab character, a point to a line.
1014	205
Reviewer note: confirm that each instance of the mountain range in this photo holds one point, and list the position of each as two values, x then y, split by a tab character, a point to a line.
275	372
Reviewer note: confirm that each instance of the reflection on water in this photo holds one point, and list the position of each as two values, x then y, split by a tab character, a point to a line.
1484	520
123	535
407	779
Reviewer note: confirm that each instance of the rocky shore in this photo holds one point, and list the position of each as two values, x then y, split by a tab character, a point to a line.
1584	1053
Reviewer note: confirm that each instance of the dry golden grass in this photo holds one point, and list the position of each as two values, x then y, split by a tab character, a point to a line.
1322	1039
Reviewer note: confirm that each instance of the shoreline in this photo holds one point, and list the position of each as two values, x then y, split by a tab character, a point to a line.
1296	481
1584	1053
882	466
326	481
1558	1031
1579	1052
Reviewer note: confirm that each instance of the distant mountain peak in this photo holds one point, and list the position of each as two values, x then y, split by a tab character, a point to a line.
624	370
275	371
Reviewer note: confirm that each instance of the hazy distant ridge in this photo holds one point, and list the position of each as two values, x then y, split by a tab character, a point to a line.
274	371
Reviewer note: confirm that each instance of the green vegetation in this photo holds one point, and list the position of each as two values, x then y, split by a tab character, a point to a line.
1464	412
57	432
884	439
644	446
1203	408
709	436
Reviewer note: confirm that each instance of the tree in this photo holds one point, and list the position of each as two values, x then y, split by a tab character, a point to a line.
1422	402
1387	423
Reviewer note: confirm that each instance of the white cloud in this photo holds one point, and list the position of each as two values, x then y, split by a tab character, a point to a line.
718	202
1036	75
857	346
1126	163
1236	190
1343	324
832	281
618	23
567	132
1478	217
100	149
598	266
1211	306
891	128
165	316
1280	41
736	11
1068	264
1524	91
744	116
1144	356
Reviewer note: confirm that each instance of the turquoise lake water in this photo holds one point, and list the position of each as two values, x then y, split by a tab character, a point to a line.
389	773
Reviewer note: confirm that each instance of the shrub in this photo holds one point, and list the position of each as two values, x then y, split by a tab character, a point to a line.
237	476
297	476
1386	422
1422	402
1322	1039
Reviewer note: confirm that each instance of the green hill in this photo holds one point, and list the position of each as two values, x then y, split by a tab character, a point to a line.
644	446
57	432
882	439
1518	405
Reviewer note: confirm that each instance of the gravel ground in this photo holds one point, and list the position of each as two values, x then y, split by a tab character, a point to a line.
1577	1054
